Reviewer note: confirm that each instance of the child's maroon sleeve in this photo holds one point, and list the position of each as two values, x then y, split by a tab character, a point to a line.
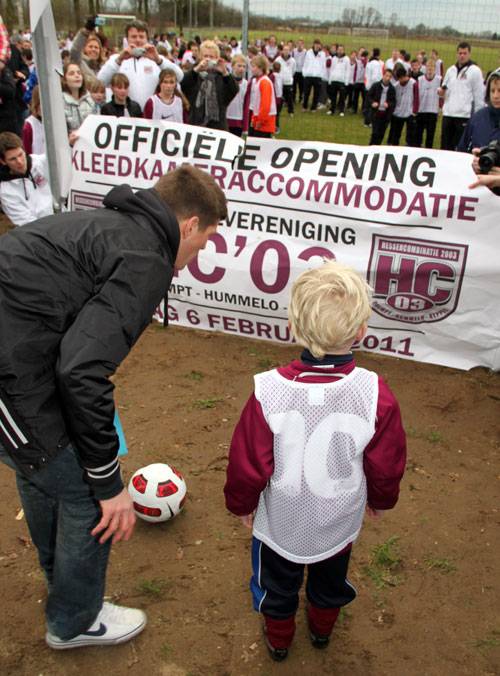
385	456
251	460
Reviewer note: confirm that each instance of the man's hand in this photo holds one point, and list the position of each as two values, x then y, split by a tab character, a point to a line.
202	65
222	66
374	513
125	54
118	518
151	53
491	180
247	520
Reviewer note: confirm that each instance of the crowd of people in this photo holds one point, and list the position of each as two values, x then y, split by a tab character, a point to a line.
78	289
212	83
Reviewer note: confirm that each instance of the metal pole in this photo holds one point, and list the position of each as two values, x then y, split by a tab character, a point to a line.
196	13
191	14
43	35
244	26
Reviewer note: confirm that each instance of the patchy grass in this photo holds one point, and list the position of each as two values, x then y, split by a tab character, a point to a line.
194	375
484	644
445	564
209	402
384	561
344	615
153	587
431	435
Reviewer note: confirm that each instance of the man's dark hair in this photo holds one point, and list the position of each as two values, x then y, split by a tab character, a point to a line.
191	192
463	45
138	25
399	71
376	51
9	141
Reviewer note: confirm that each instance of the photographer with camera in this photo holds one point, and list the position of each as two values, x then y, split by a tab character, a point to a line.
87	49
484	126
481	137
209	87
486	164
140	62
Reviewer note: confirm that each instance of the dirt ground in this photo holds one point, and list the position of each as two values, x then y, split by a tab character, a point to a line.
430	608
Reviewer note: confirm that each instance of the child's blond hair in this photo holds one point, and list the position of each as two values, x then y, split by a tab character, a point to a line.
95	85
260	61
238	58
210	44
328	307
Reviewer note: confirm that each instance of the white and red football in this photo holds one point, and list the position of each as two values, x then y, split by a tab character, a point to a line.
158	492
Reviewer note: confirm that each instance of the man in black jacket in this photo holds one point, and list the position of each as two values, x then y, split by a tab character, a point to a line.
381	101
76	292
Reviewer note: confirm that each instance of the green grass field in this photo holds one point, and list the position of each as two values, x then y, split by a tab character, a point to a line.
484	52
350	129
319	126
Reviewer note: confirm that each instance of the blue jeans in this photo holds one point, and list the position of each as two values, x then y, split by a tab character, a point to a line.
61	512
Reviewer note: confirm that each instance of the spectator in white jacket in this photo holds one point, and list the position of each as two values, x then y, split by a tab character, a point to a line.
140	62
340	71
314	72
288	66
463	89
374	69
299	54
24	188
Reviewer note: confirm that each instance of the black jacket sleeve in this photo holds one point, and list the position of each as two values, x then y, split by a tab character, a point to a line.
100	337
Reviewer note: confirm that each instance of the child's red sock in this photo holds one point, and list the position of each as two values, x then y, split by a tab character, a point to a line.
280	632
321	620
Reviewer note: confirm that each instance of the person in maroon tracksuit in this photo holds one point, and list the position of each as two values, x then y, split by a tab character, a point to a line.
318	442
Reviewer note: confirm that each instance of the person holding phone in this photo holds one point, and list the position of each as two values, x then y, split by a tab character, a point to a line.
209	87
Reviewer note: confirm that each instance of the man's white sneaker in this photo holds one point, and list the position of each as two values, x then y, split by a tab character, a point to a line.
113	625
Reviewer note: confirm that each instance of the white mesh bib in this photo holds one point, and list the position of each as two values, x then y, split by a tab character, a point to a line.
314	503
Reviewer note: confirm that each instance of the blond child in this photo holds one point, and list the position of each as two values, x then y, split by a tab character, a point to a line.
262	100
97	91
234	112
318	441
168	102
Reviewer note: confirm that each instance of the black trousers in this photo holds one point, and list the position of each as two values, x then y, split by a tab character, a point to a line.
276	582
451	131
288	97
313	83
379	125
397	124
425	122
337	89
298	83
357	89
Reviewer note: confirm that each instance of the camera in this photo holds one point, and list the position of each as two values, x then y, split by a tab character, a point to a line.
489	157
100	21
138	52
211	63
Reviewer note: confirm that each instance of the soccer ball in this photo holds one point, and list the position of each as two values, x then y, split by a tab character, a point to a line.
158	492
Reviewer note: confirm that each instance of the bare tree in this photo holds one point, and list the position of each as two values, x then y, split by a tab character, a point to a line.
76	9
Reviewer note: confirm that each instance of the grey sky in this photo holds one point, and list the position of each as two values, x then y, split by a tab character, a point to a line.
463	15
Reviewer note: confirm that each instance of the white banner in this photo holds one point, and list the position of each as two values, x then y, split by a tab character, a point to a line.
404	218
